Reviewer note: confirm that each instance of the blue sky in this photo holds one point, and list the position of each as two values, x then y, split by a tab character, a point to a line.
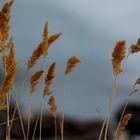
89	29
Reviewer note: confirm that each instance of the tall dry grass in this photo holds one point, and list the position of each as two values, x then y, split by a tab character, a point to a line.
7	50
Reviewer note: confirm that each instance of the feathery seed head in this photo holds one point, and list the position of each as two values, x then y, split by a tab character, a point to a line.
53	38
49	78
34	80
4	20
117	56
134	48
71	63
123	124
35	56
53	106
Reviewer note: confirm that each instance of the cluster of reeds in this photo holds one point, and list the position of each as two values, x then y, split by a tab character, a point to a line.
118	55
7	50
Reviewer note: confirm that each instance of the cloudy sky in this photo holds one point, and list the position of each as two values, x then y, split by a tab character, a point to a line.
90	29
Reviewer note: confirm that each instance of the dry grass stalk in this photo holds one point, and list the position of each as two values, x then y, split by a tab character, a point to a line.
53	106
4	20
134	48
34	80
48	79
117	56
11	71
71	63
53	38
123	124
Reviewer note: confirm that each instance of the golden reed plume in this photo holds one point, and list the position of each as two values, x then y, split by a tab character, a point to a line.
134	48
53	106
53	38
4	20
71	63
48	79
117	56
35	56
45	40
11	67
34	80
43	46
123	124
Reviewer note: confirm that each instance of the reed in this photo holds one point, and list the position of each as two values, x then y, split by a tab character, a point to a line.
123	124
7	51
70	65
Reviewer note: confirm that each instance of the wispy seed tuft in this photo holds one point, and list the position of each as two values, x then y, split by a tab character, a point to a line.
117	56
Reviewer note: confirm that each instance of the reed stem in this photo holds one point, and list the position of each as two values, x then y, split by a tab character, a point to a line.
110	105
55	128
108	109
29	116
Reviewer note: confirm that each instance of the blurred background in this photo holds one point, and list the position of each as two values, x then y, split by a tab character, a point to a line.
90	29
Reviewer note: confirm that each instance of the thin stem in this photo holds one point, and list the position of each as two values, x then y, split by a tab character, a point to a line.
62	117
123	112
120	120
15	109
9	121
38	115
55	128
8	124
23	83
110	105
22	92
29	116
107	111
41	106
7	98
42	97
17	102
20	115
98	111
41	112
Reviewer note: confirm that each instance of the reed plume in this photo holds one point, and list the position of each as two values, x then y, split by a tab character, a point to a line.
40	50
53	38
48	79
117	56
35	56
43	46
71	63
34	80
45	40
137	82
134	48
53	106
4	20
11	66
53	109
123	124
